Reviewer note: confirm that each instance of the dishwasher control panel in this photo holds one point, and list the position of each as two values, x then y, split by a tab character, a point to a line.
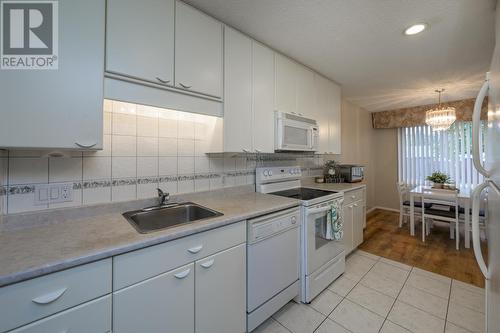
270	225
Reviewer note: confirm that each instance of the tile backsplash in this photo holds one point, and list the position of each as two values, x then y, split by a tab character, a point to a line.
144	148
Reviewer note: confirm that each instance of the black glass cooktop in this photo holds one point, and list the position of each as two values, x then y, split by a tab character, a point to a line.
303	193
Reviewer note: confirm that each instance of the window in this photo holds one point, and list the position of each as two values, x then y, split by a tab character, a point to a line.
422	151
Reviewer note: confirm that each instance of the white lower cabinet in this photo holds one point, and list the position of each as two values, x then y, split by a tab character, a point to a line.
220	295
92	317
207	294
164	303
348	237
354	219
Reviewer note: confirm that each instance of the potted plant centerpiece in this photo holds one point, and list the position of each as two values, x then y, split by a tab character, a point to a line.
438	179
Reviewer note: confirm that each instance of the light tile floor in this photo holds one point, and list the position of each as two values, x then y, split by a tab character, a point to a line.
378	295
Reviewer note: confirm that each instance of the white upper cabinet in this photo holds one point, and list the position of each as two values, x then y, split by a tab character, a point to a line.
140	39
327	114
60	108
263	98
198	51
321	112
305	92
334	119
248	95
286	78
238	118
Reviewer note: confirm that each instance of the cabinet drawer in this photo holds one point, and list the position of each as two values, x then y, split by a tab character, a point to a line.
25	302
92	317
352	196
142	264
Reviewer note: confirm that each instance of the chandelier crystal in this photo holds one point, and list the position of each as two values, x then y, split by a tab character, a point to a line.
440	118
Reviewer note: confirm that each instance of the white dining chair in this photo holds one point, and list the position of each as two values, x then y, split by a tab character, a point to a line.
404	203
440	206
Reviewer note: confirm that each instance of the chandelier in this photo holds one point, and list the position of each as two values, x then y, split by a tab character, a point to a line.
440	118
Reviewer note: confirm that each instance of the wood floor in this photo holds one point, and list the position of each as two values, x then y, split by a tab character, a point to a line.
384	238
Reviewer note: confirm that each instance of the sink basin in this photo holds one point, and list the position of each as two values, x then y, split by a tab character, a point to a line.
163	217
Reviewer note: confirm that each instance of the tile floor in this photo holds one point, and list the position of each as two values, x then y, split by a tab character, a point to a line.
381	295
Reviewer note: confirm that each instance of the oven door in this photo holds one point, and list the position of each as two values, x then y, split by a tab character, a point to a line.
295	135
319	249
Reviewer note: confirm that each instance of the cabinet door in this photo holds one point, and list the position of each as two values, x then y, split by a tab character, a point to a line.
59	108
358	222
198	51
321	114
161	304
306	105
144	50
221	292
286	77
238	117
334	118
348	239
263	98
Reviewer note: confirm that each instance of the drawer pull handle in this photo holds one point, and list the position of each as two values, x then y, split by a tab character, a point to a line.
208	264
185	86
81	145
50	297
183	274
162	81
195	249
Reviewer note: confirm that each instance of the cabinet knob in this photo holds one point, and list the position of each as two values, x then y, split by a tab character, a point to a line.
162	81
183	274
184	86
195	249
353	197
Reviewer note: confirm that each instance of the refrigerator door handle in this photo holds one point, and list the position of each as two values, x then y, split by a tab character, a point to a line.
476	242
476	122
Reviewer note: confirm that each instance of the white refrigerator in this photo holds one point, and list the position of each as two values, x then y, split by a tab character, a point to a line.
491	170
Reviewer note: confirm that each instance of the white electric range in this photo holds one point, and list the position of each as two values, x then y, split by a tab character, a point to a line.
322	260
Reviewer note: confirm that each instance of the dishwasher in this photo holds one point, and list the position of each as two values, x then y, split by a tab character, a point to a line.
273	250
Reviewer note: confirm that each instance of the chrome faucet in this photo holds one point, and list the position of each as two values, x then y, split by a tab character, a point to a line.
163	197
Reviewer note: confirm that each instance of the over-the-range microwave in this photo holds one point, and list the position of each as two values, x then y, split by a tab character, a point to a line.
295	132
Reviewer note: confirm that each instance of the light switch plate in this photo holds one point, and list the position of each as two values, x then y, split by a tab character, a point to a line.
53	193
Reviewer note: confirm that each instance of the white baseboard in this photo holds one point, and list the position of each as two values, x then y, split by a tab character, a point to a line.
383	208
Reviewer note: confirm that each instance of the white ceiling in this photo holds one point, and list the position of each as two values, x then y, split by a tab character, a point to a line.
360	44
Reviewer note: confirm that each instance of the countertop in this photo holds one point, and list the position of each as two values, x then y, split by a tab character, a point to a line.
40	243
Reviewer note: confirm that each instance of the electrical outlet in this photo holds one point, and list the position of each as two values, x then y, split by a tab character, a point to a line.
53	193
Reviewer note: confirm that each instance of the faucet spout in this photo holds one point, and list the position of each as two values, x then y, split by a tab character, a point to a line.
163	197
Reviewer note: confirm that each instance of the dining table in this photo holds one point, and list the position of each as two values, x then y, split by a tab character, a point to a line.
464	200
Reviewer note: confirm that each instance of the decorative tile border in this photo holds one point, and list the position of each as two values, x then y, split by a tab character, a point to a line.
88	184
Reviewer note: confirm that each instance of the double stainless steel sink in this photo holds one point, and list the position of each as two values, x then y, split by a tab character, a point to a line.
167	216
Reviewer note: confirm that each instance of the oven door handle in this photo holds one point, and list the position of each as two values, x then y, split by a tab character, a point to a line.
319	210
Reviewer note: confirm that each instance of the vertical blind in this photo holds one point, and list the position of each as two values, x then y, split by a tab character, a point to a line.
422	151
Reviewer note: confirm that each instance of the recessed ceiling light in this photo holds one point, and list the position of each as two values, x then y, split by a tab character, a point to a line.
415	29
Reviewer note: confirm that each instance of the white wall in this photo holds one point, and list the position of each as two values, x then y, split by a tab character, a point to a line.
144	148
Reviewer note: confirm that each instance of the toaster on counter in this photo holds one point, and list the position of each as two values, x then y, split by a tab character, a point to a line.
352	173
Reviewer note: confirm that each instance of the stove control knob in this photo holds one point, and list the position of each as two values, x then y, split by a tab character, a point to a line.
265	173
270	172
